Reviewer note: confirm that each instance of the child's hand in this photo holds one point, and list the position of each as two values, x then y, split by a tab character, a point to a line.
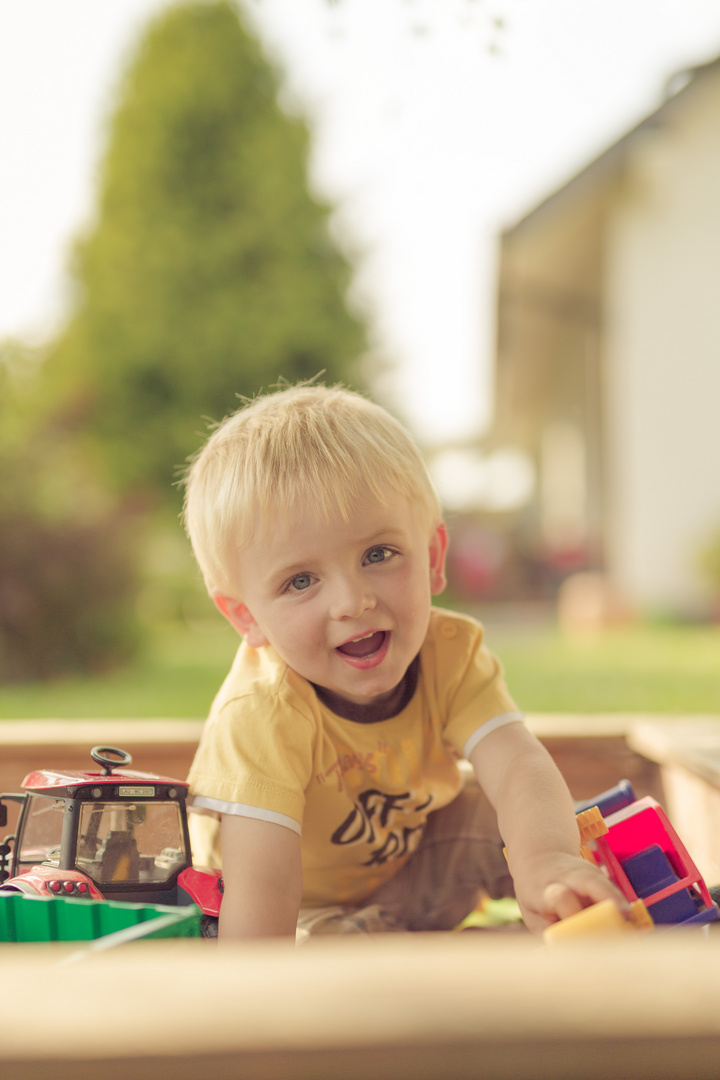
556	886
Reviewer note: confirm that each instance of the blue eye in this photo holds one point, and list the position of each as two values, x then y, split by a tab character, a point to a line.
302	581
379	555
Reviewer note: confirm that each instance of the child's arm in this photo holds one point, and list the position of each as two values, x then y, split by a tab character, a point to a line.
537	823
262	873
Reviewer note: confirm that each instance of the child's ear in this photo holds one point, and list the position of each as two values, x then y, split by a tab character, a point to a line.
239	616
438	553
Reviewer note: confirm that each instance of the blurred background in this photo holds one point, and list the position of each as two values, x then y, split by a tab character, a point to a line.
498	218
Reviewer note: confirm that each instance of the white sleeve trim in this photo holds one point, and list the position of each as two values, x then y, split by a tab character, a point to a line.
244	810
488	727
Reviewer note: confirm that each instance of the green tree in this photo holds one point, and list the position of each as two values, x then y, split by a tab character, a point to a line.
210	271
68	553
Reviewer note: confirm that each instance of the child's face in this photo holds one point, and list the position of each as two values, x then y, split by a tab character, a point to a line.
347	604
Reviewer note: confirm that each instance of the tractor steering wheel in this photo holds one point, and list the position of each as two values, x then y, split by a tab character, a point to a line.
98	754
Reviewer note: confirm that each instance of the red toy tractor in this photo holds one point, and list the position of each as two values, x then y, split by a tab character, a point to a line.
106	835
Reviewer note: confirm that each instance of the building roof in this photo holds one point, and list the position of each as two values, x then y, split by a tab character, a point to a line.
608	164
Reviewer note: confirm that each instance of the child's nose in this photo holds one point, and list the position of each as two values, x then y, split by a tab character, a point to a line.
350	599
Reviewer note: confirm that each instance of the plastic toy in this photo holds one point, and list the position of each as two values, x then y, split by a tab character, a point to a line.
600	919
106	834
634	843
106	923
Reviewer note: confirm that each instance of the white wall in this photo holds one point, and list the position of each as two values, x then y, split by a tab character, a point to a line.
662	368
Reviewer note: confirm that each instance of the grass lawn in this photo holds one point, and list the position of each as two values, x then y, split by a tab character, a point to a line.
659	669
178	676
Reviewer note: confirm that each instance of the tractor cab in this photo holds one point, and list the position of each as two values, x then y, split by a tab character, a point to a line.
108	833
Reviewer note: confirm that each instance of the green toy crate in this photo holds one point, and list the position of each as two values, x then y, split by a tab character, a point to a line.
106	922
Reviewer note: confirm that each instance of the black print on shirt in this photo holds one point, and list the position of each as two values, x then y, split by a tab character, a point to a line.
371	819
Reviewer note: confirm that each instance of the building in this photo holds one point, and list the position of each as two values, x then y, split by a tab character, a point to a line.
608	363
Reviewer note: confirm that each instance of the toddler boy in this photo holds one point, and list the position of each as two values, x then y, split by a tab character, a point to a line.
332	750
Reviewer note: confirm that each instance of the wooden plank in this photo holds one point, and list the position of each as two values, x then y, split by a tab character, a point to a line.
692	742
163	746
580	725
590	750
693	806
52	732
688	755
405	1007
592	765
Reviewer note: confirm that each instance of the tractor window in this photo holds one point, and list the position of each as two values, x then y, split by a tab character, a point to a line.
138	842
42	832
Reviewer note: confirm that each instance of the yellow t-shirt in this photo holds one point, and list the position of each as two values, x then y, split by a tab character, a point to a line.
357	793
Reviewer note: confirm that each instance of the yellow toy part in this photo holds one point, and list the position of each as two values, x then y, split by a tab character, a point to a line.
591	824
602	918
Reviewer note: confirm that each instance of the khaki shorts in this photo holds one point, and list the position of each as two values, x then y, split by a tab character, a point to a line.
458	860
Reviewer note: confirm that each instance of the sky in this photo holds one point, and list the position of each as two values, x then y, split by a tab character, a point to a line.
435	123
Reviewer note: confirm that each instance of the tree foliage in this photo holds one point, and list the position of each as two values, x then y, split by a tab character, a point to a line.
210	271
68	555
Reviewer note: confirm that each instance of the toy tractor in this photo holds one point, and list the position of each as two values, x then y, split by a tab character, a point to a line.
106	835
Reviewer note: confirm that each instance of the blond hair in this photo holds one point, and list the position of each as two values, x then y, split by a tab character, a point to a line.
308	445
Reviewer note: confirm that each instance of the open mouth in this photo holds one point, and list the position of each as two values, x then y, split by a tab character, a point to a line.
362	647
